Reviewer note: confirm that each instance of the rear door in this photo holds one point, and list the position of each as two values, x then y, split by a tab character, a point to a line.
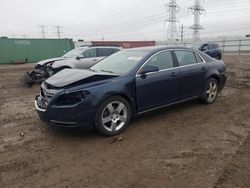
217	51
192	70
212	50
158	88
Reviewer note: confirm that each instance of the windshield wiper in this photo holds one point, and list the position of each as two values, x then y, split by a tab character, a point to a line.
107	71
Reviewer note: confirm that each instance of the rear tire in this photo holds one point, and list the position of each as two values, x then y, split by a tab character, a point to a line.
211	91
113	116
218	57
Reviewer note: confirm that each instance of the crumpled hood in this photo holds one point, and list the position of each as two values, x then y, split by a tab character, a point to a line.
49	60
70	76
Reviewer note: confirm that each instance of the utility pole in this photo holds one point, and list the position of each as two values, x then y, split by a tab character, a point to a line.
58	31
182	32
42	27
173	9
197	10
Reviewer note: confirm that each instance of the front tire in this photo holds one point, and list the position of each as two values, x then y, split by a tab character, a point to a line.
211	91
113	116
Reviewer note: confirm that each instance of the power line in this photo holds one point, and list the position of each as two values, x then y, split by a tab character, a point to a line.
121	26
133	24
117	28
123	13
197	10
173	9
115	21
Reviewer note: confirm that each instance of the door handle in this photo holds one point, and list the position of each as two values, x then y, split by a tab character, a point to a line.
204	68
173	74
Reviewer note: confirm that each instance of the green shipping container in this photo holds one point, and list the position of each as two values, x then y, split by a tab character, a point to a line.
15	50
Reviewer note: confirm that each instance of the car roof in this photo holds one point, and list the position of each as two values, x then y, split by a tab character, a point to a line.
85	47
209	43
158	48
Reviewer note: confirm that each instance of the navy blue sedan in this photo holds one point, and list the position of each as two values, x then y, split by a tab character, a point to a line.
128	83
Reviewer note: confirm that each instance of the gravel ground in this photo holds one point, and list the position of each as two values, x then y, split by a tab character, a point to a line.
187	145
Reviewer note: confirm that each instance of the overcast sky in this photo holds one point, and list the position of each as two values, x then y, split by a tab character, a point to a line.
118	19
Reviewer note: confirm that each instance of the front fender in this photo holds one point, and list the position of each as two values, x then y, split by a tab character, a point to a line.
64	63
102	92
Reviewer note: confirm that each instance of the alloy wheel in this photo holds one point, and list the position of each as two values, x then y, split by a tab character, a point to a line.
212	91
114	116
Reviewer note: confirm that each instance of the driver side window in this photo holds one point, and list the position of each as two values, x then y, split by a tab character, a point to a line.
162	61
89	53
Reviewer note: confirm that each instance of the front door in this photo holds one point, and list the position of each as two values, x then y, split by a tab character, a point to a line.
159	88
89	58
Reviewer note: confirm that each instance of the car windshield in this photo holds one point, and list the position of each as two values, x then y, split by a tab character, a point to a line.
120	63
73	53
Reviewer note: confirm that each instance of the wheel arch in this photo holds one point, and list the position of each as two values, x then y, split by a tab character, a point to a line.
215	76
123	95
65	67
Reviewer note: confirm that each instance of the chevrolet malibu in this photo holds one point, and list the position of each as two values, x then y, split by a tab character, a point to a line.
128	83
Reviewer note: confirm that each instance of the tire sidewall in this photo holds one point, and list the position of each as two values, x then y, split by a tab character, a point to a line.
98	120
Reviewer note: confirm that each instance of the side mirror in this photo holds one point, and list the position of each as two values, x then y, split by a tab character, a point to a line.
148	69
80	57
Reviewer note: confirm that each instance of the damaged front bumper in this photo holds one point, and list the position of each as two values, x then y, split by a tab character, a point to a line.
30	79
35	76
67	116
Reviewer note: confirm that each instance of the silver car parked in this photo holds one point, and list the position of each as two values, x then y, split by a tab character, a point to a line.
78	58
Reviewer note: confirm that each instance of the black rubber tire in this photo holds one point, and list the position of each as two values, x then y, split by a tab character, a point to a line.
204	99
98	122
218	57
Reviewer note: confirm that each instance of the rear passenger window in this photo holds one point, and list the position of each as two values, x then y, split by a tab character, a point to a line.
198	58
216	46
105	52
89	53
211	46
162	60
185	57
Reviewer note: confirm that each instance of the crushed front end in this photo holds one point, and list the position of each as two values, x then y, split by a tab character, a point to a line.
60	107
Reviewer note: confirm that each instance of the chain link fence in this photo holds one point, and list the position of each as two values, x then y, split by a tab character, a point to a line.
239	46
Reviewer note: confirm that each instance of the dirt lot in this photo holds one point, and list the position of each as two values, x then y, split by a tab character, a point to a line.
188	145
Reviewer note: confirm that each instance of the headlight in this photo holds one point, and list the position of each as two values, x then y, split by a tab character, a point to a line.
69	99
